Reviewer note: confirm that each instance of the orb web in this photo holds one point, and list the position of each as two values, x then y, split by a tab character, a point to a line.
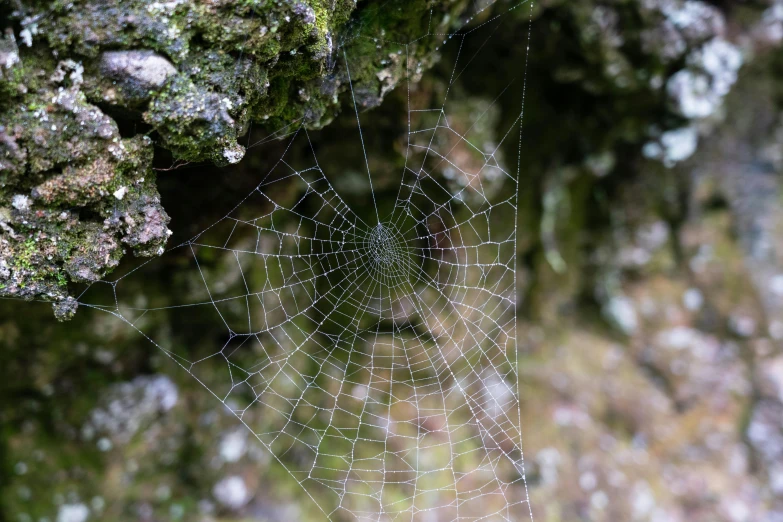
371	353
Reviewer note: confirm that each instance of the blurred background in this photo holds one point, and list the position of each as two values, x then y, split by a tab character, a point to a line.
650	287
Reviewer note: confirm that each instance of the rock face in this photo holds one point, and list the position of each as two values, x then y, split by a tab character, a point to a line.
64	158
76	192
650	255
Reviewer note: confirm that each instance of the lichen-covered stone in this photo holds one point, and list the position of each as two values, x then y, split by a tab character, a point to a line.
230	62
62	161
193	121
197	74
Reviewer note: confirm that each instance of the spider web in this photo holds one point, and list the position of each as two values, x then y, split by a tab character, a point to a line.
373	354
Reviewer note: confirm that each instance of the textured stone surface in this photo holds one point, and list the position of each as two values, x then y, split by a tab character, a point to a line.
649	282
196	73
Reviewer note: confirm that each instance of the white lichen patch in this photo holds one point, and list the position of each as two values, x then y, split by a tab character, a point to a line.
770	27
695	18
21	202
498	394
26	36
70	69
130	404
164	7
548	460
673	146
120	192
693	299
697	92
234	154
9	59
679	144
73	513
231	492
776	285
233	445
621	311
692	94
